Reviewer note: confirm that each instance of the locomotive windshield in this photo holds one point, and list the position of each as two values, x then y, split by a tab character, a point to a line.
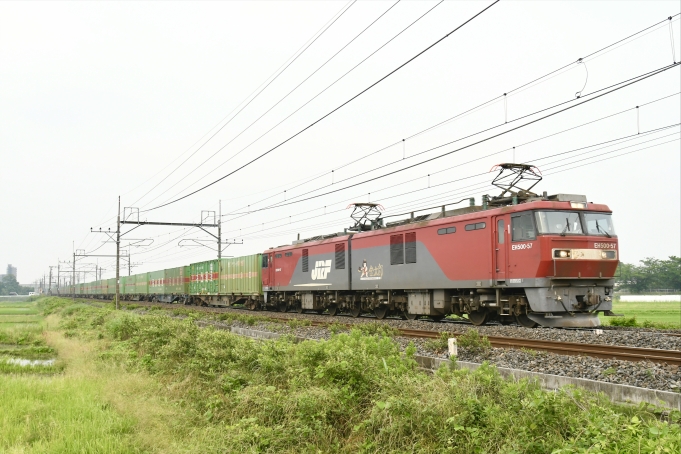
561	222
599	224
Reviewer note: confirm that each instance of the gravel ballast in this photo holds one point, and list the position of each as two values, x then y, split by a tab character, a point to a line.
632	338
643	374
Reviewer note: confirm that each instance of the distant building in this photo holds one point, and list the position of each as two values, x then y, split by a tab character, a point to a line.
12	270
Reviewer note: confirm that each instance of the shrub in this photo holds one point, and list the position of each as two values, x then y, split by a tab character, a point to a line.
440	344
336	328
472	341
361	393
376	329
623	321
293	324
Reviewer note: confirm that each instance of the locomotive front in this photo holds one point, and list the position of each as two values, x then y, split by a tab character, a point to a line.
564	254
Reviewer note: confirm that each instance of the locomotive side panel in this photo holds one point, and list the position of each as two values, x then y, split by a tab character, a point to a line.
310	267
428	257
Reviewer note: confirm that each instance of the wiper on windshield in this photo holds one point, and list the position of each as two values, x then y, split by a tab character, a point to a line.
598	227
567	227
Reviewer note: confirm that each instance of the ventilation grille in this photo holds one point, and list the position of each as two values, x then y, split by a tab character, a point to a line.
410	247
340	256
305	268
396	249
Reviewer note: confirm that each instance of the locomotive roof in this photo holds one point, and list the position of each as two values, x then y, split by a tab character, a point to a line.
557	202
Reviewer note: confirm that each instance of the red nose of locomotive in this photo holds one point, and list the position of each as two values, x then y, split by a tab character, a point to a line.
576	257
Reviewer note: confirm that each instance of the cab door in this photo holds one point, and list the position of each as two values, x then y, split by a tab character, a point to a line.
267	271
500	264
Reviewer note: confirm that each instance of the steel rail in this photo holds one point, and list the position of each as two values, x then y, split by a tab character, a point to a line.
605	351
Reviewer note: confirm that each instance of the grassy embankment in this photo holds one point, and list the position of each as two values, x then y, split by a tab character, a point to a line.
647	315
47	408
154	383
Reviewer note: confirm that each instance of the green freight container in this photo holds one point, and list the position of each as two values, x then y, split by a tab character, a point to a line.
204	278
241	275
157	282
142	284
111	284
128	285
177	280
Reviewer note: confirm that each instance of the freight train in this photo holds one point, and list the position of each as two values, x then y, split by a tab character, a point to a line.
519	257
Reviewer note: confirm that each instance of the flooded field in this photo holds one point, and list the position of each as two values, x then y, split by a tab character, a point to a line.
22	345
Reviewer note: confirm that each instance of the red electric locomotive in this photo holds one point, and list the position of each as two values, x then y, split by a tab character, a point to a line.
534	259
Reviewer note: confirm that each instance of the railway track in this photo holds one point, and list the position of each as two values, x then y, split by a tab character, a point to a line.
621	352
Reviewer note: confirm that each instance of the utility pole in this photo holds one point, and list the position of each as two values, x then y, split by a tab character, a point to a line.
49	285
219	229
118	251
74	276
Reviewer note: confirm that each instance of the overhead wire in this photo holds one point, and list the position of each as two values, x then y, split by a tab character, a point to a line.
329	113
259	90
300	107
520	88
319	34
610	143
611	89
606	143
280	101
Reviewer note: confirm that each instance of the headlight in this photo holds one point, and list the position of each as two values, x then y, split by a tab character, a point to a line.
609	254
561	253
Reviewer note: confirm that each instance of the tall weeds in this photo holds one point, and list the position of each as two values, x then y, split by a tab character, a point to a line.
358	392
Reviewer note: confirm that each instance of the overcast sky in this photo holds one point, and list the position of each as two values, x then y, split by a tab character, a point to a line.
151	101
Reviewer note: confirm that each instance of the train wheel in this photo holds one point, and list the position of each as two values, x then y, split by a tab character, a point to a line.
409	316
333	310
380	312
524	320
281	307
355	311
478	318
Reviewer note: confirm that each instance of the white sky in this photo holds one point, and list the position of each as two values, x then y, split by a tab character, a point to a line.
101	99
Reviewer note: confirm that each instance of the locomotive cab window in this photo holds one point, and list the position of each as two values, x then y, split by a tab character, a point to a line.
264	260
599	224
559	222
522	227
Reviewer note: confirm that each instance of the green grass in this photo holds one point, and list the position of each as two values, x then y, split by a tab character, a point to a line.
654	315
18	311
155	383
60	415
357	392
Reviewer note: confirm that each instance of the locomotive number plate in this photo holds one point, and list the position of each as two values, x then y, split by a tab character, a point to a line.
605	245
518	247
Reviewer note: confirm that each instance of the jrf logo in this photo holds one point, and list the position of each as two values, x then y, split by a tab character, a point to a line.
321	269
